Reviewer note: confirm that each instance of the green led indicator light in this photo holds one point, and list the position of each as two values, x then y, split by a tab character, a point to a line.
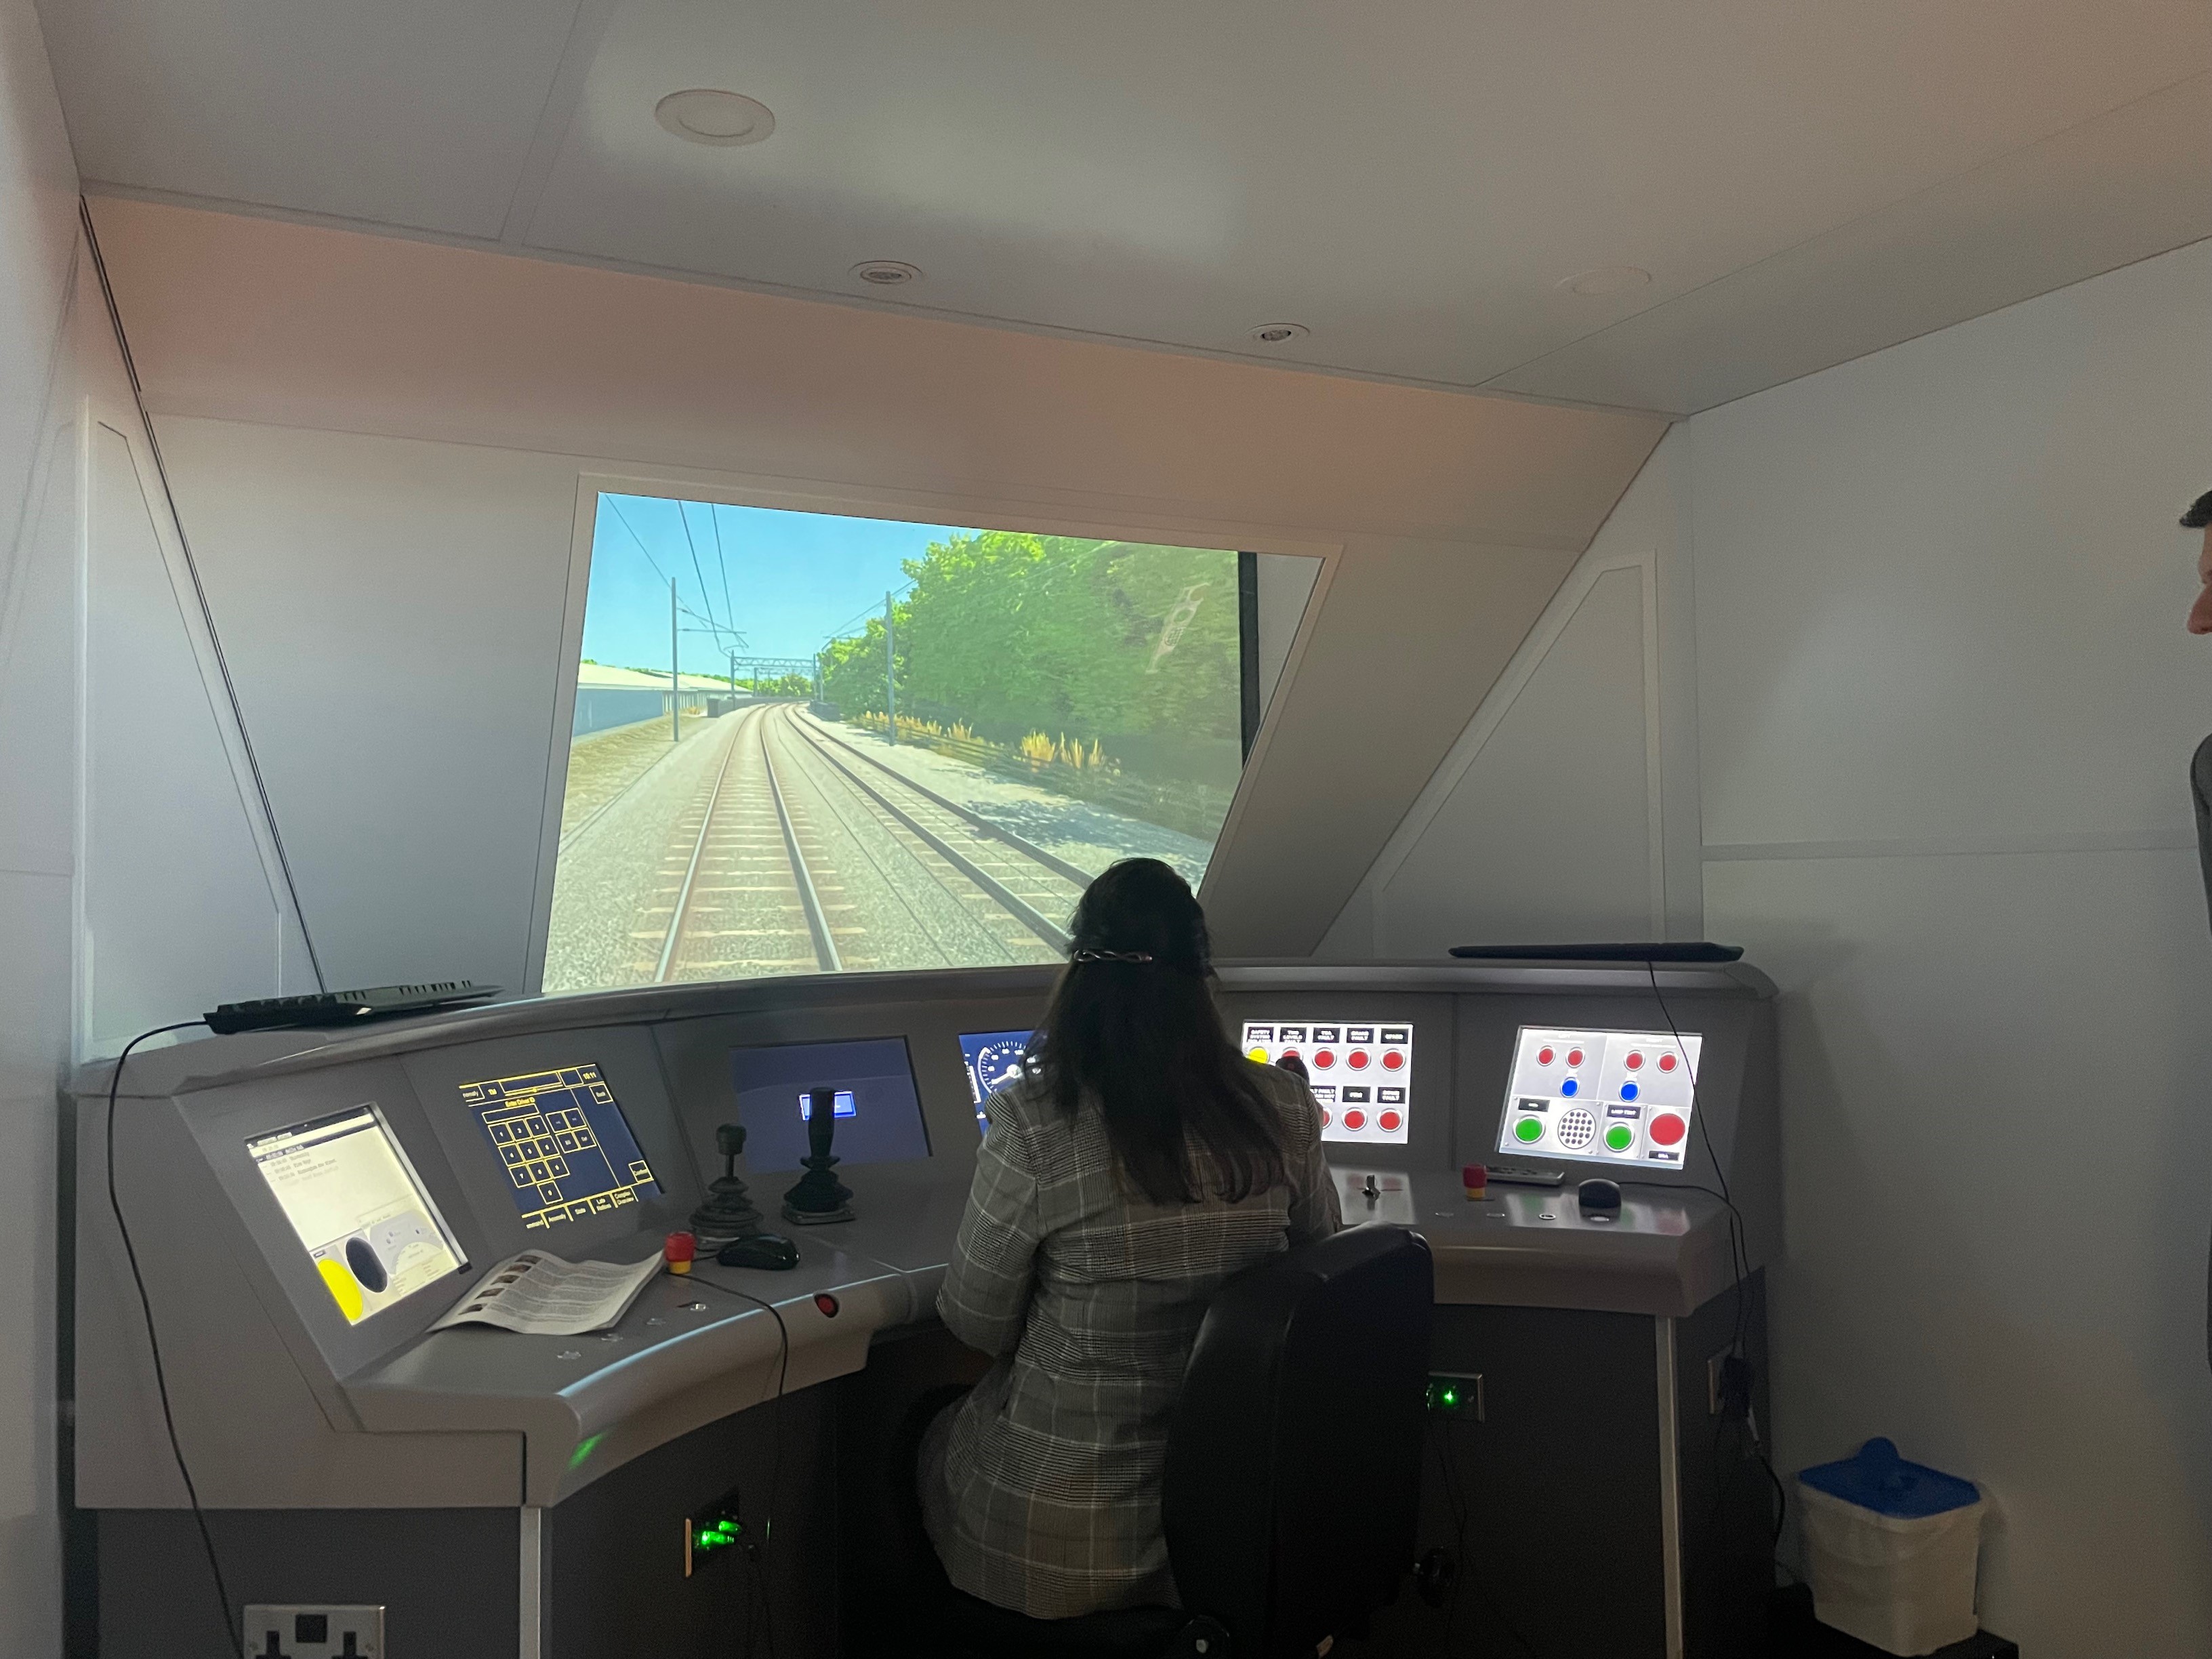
1528	1129
576	1458
1451	1396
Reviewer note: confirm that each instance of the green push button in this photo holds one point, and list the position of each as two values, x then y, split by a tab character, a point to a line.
1528	1129
1620	1137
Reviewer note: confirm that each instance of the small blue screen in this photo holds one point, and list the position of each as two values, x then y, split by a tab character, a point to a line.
878	1113
994	1060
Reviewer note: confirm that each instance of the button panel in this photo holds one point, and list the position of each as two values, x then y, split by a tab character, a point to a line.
1602	1096
1360	1072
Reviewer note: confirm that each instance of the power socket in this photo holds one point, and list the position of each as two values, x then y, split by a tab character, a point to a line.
312	1631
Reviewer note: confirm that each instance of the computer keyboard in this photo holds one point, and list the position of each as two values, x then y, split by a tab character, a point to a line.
345	1007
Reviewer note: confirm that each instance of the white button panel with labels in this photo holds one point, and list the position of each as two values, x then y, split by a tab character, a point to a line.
1361	1071
1602	1096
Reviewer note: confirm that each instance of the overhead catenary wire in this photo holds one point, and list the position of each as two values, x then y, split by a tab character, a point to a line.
705	598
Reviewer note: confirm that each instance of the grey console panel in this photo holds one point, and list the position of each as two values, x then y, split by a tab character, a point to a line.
281	1401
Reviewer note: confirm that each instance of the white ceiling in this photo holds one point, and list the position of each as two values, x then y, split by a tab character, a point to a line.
1806	181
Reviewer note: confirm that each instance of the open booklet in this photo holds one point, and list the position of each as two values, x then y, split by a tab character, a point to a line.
541	1295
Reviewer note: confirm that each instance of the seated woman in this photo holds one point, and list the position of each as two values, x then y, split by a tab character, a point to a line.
1141	1162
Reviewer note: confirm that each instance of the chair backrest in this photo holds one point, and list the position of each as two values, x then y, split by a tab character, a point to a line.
1292	1487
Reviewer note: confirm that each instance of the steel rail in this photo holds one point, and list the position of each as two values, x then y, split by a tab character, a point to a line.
817	920
691	872
1042	926
1058	865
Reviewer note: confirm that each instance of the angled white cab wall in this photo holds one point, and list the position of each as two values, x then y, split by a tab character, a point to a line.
1550	820
180	911
394	610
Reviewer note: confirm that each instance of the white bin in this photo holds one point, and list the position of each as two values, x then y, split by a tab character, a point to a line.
1904	1581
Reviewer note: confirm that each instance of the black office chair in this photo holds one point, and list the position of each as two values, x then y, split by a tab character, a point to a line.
1293	1470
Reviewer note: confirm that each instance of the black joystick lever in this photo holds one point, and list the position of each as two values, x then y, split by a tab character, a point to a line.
729	1212
819	1198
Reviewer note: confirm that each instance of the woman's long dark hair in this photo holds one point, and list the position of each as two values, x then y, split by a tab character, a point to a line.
1133	1026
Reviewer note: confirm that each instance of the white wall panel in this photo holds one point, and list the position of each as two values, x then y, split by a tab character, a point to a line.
393	610
37	664
1567	808
1946	708
1996	1185
179	911
1548	833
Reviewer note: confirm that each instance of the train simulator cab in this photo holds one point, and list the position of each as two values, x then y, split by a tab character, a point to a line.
590	589
315	1216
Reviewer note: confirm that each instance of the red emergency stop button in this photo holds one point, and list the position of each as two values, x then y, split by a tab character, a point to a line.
1667	1129
1355	1119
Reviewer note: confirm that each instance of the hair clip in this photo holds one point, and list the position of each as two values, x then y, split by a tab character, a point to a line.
1109	955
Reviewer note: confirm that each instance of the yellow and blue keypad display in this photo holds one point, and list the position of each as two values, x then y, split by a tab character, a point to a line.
562	1139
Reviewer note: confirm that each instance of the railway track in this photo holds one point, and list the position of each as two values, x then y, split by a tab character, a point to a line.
797	853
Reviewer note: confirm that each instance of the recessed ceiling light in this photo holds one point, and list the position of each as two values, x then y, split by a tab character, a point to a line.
708	117
884	273
1277	333
1605	279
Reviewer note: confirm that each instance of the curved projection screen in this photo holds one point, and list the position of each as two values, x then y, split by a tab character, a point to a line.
809	744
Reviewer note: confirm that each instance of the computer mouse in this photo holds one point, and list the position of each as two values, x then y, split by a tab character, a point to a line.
1600	1199
770	1252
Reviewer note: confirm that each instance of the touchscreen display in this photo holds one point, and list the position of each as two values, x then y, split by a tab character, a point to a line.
1602	1096
358	1208
877	1118
1361	1071
994	1060
565	1142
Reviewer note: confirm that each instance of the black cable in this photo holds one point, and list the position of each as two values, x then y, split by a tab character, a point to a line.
775	1467
231	1631
1740	1264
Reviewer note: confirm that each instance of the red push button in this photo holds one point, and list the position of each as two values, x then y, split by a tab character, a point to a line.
1667	1129
827	1303
1635	1062
1357	1060
1394	1062
1390	1120
1574	1056
1665	1062
1545	1056
1324	1059
1355	1119
1326	1118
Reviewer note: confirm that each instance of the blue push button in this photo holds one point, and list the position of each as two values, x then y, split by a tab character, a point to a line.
1628	1091
1570	1087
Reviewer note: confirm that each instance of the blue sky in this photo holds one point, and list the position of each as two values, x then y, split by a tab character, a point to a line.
792	578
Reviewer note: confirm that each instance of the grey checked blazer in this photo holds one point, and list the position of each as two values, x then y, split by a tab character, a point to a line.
1041	1488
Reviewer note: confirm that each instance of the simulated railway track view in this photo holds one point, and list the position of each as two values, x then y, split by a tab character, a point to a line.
767	842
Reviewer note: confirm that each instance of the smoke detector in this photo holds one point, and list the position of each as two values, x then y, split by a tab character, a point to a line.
884	273
705	116
1604	279
1277	333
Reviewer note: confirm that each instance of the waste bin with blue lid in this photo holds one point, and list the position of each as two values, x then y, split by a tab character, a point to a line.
1891	1547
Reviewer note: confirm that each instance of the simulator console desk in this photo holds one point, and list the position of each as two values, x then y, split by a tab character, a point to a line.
306	1205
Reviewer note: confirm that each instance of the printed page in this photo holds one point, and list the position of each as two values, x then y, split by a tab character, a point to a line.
541	1295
